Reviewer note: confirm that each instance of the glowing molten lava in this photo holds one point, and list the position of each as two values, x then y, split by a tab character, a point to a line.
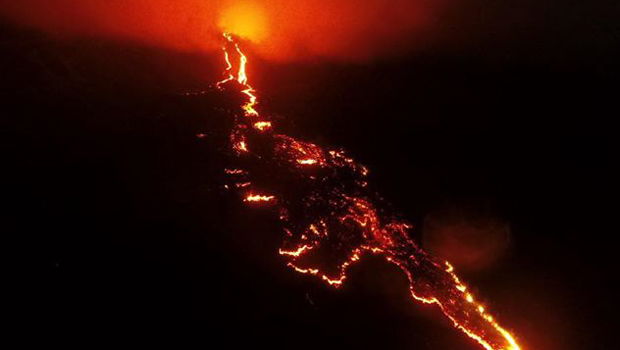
331	218
258	198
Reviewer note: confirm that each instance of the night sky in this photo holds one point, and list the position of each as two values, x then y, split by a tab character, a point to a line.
499	119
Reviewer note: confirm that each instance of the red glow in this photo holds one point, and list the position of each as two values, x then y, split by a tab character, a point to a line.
281	29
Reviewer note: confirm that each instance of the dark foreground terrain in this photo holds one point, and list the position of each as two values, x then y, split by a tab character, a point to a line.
120	231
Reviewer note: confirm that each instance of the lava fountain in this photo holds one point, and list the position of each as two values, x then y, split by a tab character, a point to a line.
330	216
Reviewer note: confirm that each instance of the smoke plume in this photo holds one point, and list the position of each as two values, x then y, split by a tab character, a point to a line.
280	29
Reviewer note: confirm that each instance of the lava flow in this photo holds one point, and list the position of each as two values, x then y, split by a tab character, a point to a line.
330	216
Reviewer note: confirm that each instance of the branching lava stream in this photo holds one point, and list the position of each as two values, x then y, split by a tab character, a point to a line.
331	218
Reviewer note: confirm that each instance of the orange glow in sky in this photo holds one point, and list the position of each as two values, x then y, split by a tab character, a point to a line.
283	30
246	20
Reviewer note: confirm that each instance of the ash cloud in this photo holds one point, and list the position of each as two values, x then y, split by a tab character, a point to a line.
281	30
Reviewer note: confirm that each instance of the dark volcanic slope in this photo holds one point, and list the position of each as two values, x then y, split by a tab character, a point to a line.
123	231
